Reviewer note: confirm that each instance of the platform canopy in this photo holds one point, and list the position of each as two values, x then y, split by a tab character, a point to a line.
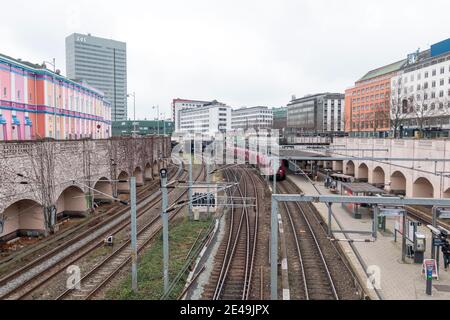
362	187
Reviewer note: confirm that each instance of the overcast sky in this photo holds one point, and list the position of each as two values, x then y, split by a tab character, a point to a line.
242	52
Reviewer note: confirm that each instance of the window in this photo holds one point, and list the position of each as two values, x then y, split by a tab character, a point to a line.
433	84
18	94
419	76
418	86
433	95
4	90
426	74
442	82
442	70
425	85
433	73
441	94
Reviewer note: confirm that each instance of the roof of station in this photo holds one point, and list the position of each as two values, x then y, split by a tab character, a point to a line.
361	187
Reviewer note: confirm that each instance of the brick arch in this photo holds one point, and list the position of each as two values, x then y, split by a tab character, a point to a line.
398	182
422	188
138	174
148	174
105	186
378	175
71	202
363	172
20	218
349	168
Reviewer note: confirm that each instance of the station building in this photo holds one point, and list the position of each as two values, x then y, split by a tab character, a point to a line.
36	103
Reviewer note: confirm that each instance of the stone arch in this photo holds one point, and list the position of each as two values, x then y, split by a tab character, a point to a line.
155	169
398	183
138	174
378	176
148	174
350	168
422	188
446	194
103	185
363	172
123	185
22	218
71	202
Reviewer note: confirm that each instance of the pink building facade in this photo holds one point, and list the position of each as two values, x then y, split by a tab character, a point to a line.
36	103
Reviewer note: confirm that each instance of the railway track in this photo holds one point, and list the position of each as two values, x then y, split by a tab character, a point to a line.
424	214
24	258
23	282
317	267
234	263
309	275
100	275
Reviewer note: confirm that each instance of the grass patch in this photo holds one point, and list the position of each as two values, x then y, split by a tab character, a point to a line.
182	236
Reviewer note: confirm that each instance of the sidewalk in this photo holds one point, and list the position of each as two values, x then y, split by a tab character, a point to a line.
398	280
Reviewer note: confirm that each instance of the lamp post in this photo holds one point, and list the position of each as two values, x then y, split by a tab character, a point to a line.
157	113
54	94
134	109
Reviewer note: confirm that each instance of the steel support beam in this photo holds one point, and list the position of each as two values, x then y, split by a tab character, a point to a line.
359	199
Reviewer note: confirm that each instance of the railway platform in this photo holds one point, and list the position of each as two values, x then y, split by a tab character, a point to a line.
398	280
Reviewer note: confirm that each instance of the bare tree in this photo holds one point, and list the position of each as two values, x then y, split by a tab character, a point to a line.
398	111
42	157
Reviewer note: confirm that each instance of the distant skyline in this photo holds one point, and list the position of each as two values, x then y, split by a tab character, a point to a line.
243	53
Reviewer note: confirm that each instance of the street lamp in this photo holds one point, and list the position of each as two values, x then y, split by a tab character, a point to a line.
157	112
134	109
54	94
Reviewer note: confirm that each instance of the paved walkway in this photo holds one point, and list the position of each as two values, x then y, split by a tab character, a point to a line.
398	280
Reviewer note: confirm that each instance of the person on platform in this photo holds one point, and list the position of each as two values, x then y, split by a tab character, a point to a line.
446	253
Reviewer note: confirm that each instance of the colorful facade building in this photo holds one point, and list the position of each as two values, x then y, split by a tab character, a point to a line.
367	104
35	101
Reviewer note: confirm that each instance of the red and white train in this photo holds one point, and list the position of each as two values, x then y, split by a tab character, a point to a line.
262	162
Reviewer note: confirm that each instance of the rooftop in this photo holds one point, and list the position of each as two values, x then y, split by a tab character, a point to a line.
362	187
383	70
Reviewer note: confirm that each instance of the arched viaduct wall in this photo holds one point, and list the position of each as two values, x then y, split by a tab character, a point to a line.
422	178
58	174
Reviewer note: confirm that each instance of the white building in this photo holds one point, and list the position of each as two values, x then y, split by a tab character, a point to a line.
254	117
208	119
181	104
421	92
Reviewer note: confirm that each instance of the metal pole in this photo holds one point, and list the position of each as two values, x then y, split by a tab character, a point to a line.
190	181
134	112
54	96
330	234
274	251
433	248
375	221
207	181
404	237
165	219
133	235
274	176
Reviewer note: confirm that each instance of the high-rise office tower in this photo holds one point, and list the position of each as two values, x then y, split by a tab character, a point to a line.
103	64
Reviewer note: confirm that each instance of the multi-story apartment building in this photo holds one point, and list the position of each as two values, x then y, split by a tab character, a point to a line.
314	114
254	117
37	103
367	103
181	104
103	64
421	92
209	119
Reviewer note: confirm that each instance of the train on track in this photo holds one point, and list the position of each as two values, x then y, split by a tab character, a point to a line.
262	162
